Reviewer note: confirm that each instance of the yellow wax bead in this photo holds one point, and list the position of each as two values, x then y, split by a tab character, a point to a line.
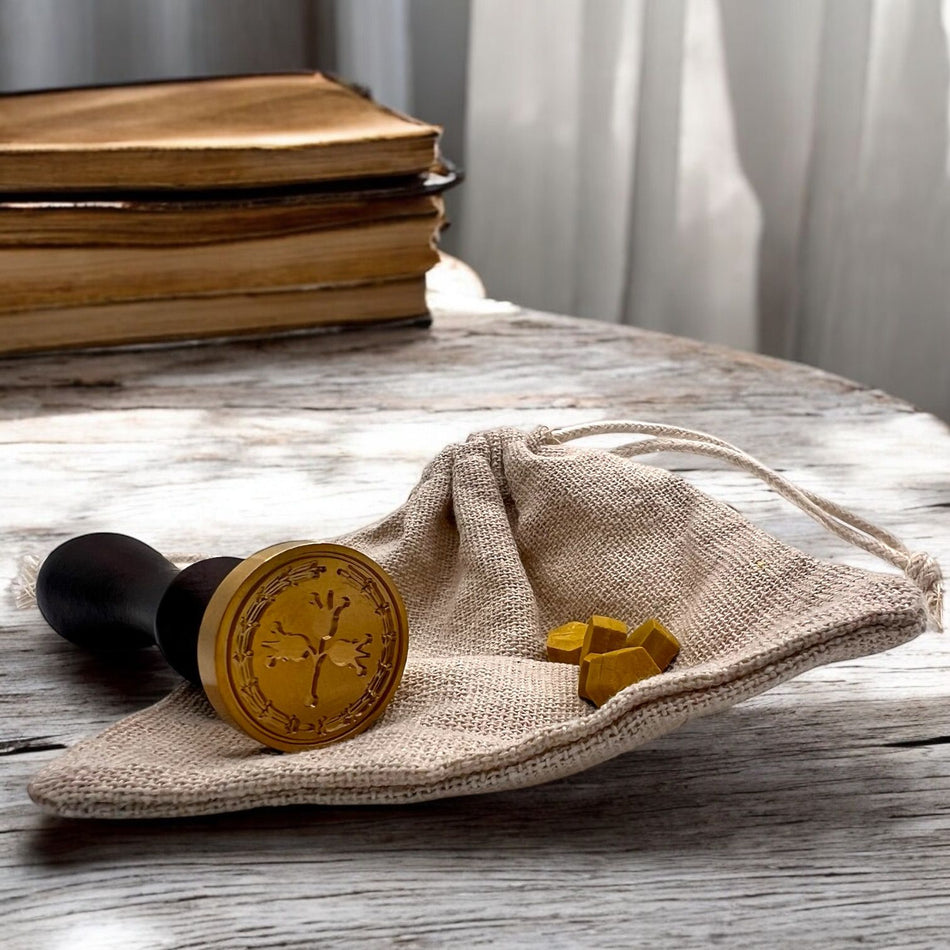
604	634
657	641
564	643
603	675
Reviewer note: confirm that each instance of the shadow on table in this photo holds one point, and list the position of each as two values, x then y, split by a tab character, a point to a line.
720	785
201	374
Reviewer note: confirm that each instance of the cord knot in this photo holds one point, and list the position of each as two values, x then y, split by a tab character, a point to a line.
545	436
925	572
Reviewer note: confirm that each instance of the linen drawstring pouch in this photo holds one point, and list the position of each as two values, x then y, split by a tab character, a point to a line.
506	536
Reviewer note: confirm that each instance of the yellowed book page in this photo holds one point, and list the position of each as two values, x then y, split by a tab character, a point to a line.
145	224
221	315
31	278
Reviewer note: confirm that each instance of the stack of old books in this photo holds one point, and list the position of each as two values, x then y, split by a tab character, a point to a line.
220	206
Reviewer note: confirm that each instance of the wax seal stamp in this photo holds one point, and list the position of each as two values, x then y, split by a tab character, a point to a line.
303	644
299	645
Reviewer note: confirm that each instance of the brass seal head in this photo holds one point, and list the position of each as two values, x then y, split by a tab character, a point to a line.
303	644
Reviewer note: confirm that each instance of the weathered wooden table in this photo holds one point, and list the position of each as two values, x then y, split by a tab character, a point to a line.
815	815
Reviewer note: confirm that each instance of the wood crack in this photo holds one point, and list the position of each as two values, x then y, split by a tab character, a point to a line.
36	744
915	743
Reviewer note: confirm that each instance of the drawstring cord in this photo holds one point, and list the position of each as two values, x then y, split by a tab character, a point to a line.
918	566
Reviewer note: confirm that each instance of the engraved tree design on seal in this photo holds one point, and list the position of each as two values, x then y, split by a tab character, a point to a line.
285	646
319	636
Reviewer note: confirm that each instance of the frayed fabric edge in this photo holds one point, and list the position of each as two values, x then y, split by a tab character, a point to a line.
23	585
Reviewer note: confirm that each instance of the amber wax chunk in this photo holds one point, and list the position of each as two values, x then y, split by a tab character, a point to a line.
603	675
603	635
656	640
565	642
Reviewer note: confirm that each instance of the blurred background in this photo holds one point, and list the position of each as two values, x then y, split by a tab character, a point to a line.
768	174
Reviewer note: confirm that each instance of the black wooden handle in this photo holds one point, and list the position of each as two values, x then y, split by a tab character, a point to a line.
112	592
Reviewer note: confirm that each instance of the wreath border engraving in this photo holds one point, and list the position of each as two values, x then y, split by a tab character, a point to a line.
247	688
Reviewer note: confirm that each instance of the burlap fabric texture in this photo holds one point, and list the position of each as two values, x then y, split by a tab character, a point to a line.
507	535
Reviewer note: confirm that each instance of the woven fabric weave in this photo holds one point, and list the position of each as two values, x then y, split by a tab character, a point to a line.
507	535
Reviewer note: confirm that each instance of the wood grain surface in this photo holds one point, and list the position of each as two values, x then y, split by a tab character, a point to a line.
815	815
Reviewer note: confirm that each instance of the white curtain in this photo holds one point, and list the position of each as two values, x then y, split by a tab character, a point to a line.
48	43
770	174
